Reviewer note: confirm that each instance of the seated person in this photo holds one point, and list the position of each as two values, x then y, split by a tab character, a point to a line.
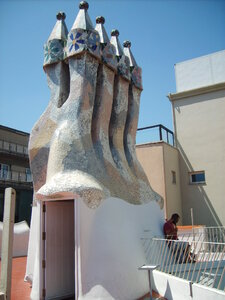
182	250
170	227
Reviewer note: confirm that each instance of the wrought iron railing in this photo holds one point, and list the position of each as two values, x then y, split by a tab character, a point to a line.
194	259
13	147
16	176
162	133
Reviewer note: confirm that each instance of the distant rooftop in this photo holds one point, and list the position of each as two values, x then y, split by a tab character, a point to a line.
14	130
200	72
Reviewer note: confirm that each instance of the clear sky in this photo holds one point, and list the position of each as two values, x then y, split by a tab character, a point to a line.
162	33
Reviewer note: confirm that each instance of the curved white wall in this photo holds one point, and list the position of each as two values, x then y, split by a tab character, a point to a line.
108	249
20	238
111	249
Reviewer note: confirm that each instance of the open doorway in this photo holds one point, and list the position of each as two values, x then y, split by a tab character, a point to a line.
58	250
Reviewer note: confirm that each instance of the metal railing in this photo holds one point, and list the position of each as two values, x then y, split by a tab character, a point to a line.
196	261
16	176
215	234
13	147
204	234
164	134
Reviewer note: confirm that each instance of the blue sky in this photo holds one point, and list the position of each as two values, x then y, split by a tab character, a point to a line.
162	33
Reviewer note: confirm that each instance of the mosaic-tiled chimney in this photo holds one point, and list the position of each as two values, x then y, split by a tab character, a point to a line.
57	72
82	151
83	146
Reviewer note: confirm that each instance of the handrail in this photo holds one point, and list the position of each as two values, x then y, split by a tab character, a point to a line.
154	126
161	129
207	234
197	261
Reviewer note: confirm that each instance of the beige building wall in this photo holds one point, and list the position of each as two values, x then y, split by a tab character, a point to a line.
199	123
14	136
172	185
158	161
14	148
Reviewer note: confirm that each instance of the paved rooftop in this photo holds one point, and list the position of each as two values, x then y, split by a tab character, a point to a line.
21	289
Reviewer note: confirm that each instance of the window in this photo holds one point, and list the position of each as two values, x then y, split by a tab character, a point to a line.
1	205
19	148
28	175
174	179
4	171
197	177
12	147
25	150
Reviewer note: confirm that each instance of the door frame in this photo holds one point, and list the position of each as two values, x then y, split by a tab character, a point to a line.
77	267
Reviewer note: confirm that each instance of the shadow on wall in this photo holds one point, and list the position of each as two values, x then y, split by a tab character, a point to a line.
168	293
203	210
165	291
199	98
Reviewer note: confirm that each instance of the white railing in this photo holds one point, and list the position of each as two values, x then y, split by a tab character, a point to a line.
196	261
204	234
16	176
13	147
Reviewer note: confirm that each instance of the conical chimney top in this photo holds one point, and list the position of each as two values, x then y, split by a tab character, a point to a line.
60	30
128	53
54	48
100	21
116	43
83	20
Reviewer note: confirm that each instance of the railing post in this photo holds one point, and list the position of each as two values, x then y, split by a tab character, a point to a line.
160	132
7	243
150	269
167	137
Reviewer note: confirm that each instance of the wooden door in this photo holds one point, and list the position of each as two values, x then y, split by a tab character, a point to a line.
59	250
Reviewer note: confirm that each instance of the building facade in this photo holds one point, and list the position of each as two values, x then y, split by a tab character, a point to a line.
199	113
190	176
15	171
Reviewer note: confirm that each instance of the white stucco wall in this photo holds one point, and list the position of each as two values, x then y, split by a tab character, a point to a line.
111	250
202	71
174	288
20	238
108	249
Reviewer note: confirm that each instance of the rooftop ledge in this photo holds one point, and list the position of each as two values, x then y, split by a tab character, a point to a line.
197	91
